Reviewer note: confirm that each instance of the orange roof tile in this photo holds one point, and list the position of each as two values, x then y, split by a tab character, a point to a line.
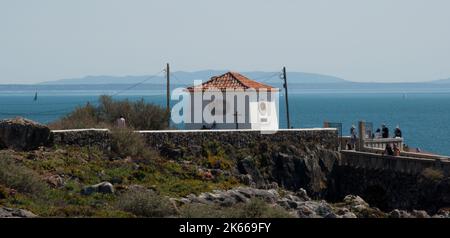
231	80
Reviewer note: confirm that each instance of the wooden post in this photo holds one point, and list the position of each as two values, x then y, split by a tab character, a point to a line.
168	94
286	97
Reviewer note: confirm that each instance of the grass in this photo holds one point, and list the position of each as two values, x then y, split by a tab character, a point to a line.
26	173
256	208
146	203
18	177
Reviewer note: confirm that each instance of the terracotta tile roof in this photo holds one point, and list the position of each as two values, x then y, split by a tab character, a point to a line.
231	80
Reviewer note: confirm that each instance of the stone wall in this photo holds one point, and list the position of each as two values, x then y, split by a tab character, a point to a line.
82	137
325	138
392	182
401	164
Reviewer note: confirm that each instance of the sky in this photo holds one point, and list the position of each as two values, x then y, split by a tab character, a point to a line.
358	40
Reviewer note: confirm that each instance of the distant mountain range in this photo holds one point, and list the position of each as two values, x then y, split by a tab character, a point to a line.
188	78
297	81
442	81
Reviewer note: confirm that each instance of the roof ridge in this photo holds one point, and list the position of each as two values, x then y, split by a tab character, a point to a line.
233	74
232	79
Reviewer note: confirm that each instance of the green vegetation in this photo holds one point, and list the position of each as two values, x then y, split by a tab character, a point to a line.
108	111
18	177
256	208
146	203
125	142
49	181
26	179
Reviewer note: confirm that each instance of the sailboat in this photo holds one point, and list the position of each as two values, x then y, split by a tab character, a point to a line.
35	96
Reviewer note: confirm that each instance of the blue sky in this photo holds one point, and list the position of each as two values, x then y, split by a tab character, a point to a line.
359	40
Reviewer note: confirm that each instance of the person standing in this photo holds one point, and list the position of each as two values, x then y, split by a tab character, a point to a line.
377	134
121	123
397	132
384	131
353	137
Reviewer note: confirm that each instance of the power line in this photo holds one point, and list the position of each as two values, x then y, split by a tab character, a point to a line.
137	84
267	78
68	109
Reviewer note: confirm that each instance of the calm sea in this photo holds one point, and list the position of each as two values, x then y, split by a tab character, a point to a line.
423	117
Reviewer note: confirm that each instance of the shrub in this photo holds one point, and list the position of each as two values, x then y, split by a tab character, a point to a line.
81	117
256	208
139	115
20	178
146	204
216	157
125	142
432	174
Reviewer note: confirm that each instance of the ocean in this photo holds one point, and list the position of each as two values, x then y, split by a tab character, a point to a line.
424	117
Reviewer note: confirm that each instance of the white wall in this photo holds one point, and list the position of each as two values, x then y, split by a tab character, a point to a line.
251	115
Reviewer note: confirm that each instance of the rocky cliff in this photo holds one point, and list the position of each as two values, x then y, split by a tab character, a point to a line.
300	205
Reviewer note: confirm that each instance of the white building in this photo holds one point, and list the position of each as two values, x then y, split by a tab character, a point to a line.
232	101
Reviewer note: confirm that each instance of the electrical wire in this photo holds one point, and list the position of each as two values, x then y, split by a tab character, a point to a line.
68	109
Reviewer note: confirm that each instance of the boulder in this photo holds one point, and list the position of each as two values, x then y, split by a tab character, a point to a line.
104	187
355	201
55	181
6	212
399	214
420	214
303	195
23	135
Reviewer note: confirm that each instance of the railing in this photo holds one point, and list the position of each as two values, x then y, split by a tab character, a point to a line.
381	143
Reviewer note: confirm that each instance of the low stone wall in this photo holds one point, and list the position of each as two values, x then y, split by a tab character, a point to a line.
389	182
325	138
401	164
82	137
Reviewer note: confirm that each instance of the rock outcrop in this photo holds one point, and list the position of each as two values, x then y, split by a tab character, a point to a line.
300	205
6	212
22	134
292	168
104	187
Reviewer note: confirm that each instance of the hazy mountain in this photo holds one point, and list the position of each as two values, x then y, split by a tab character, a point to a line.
182	77
297	81
442	81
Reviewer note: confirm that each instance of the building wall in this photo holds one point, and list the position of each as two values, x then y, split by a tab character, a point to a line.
245	115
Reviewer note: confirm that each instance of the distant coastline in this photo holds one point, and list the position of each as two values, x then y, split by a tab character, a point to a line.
345	87
299	82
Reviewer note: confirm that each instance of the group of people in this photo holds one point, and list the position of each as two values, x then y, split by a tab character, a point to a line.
384	132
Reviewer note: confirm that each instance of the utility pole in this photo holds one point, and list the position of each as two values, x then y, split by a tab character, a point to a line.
287	98
236	119
168	94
